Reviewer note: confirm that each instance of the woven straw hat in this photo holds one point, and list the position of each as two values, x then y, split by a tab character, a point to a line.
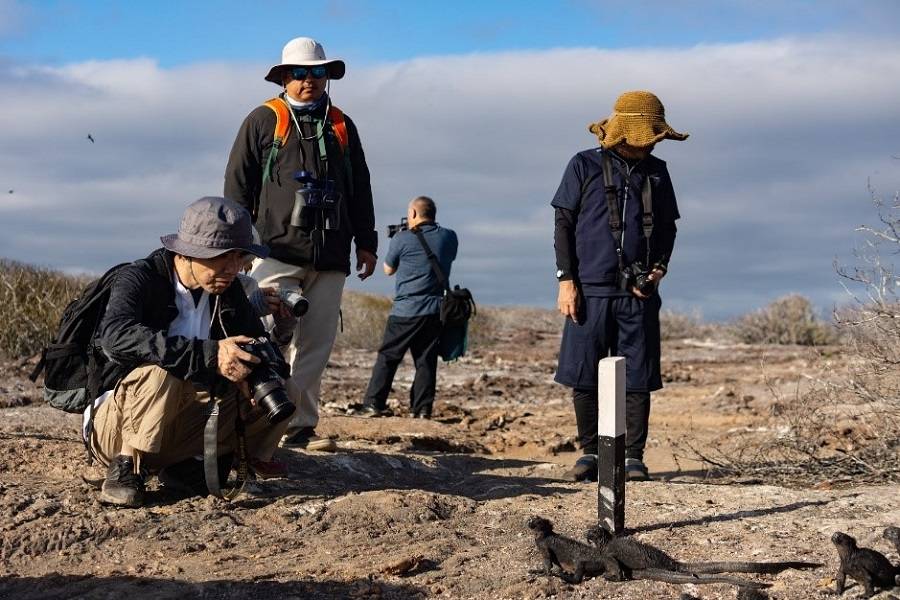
638	119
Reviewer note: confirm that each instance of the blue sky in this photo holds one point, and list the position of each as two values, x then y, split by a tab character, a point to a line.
791	106
181	32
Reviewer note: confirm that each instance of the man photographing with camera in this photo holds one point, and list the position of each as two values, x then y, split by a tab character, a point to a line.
297	165
615	214
414	322
180	337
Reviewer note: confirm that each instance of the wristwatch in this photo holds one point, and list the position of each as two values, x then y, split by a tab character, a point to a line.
563	275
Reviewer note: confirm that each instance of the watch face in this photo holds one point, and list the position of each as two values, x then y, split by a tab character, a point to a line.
559	273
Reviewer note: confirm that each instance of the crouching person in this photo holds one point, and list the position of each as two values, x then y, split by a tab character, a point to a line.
173	330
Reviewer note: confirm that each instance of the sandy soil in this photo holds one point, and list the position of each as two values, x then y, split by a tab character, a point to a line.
414	509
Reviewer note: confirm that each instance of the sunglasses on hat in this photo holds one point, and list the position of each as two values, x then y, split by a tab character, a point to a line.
318	72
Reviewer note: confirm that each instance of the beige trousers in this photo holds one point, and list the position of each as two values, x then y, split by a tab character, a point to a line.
163	417
314	335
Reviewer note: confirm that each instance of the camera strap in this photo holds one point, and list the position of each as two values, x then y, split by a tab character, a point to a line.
616	218
211	450
432	259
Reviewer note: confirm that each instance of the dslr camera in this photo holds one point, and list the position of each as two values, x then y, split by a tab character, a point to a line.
266	381
393	230
316	203
636	276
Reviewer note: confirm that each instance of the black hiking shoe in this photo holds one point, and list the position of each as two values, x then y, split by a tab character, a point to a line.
122	486
636	470
188	478
369	411
585	469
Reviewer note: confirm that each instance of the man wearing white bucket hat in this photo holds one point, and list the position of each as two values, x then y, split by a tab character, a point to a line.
298	166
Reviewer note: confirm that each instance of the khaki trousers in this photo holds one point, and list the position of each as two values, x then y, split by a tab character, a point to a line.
314	334
163	417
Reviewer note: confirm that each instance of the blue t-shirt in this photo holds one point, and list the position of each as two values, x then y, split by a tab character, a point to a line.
417	291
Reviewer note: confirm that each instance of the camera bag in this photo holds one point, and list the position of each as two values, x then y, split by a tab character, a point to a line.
457	307
72	363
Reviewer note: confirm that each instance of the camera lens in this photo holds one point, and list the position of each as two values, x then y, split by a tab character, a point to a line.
266	384
273	399
296	303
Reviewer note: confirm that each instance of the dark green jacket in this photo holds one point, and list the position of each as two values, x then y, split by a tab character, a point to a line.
271	201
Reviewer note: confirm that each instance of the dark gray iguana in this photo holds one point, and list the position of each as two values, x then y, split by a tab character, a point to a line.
576	560
892	534
628	553
869	567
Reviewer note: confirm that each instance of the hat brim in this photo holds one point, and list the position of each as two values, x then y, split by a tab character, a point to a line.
639	132
336	69
178	246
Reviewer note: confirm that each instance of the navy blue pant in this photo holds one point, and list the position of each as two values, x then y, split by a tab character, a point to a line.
625	326
419	335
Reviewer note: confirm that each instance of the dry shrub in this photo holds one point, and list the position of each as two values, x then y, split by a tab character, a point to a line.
364	317
31	303
843	421
494	324
788	320
680	326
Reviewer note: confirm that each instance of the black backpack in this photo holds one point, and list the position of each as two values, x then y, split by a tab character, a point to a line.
457	307
73	363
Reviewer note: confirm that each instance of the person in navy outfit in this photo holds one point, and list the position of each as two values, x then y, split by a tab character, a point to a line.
615	214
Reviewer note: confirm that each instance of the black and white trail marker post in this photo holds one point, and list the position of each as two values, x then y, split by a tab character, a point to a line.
611	444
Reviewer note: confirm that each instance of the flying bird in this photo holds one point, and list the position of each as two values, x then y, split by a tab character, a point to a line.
90	137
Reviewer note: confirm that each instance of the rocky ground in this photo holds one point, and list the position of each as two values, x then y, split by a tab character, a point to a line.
417	509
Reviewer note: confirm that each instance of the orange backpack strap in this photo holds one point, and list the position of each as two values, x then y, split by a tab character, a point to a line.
282	130
282	119
339	126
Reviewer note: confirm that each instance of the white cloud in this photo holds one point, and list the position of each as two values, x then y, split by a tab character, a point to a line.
784	135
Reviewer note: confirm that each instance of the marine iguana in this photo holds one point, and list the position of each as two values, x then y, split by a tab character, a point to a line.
633	554
892	534
868	567
582	560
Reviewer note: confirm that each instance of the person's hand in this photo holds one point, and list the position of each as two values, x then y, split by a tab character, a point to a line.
655	276
277	308
365	263
567	302
232	360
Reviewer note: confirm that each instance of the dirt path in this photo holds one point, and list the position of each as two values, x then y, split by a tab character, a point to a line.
444	500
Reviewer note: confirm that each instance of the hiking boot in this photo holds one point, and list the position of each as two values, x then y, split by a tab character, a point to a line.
122	486
268	469
636	470
369	411
585	469
307	439
425	414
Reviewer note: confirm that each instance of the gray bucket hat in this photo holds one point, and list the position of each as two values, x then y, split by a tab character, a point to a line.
212	226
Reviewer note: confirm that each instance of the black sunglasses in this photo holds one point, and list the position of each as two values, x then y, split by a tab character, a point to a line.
318	72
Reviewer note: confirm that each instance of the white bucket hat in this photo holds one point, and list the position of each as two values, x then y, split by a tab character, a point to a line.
305	52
